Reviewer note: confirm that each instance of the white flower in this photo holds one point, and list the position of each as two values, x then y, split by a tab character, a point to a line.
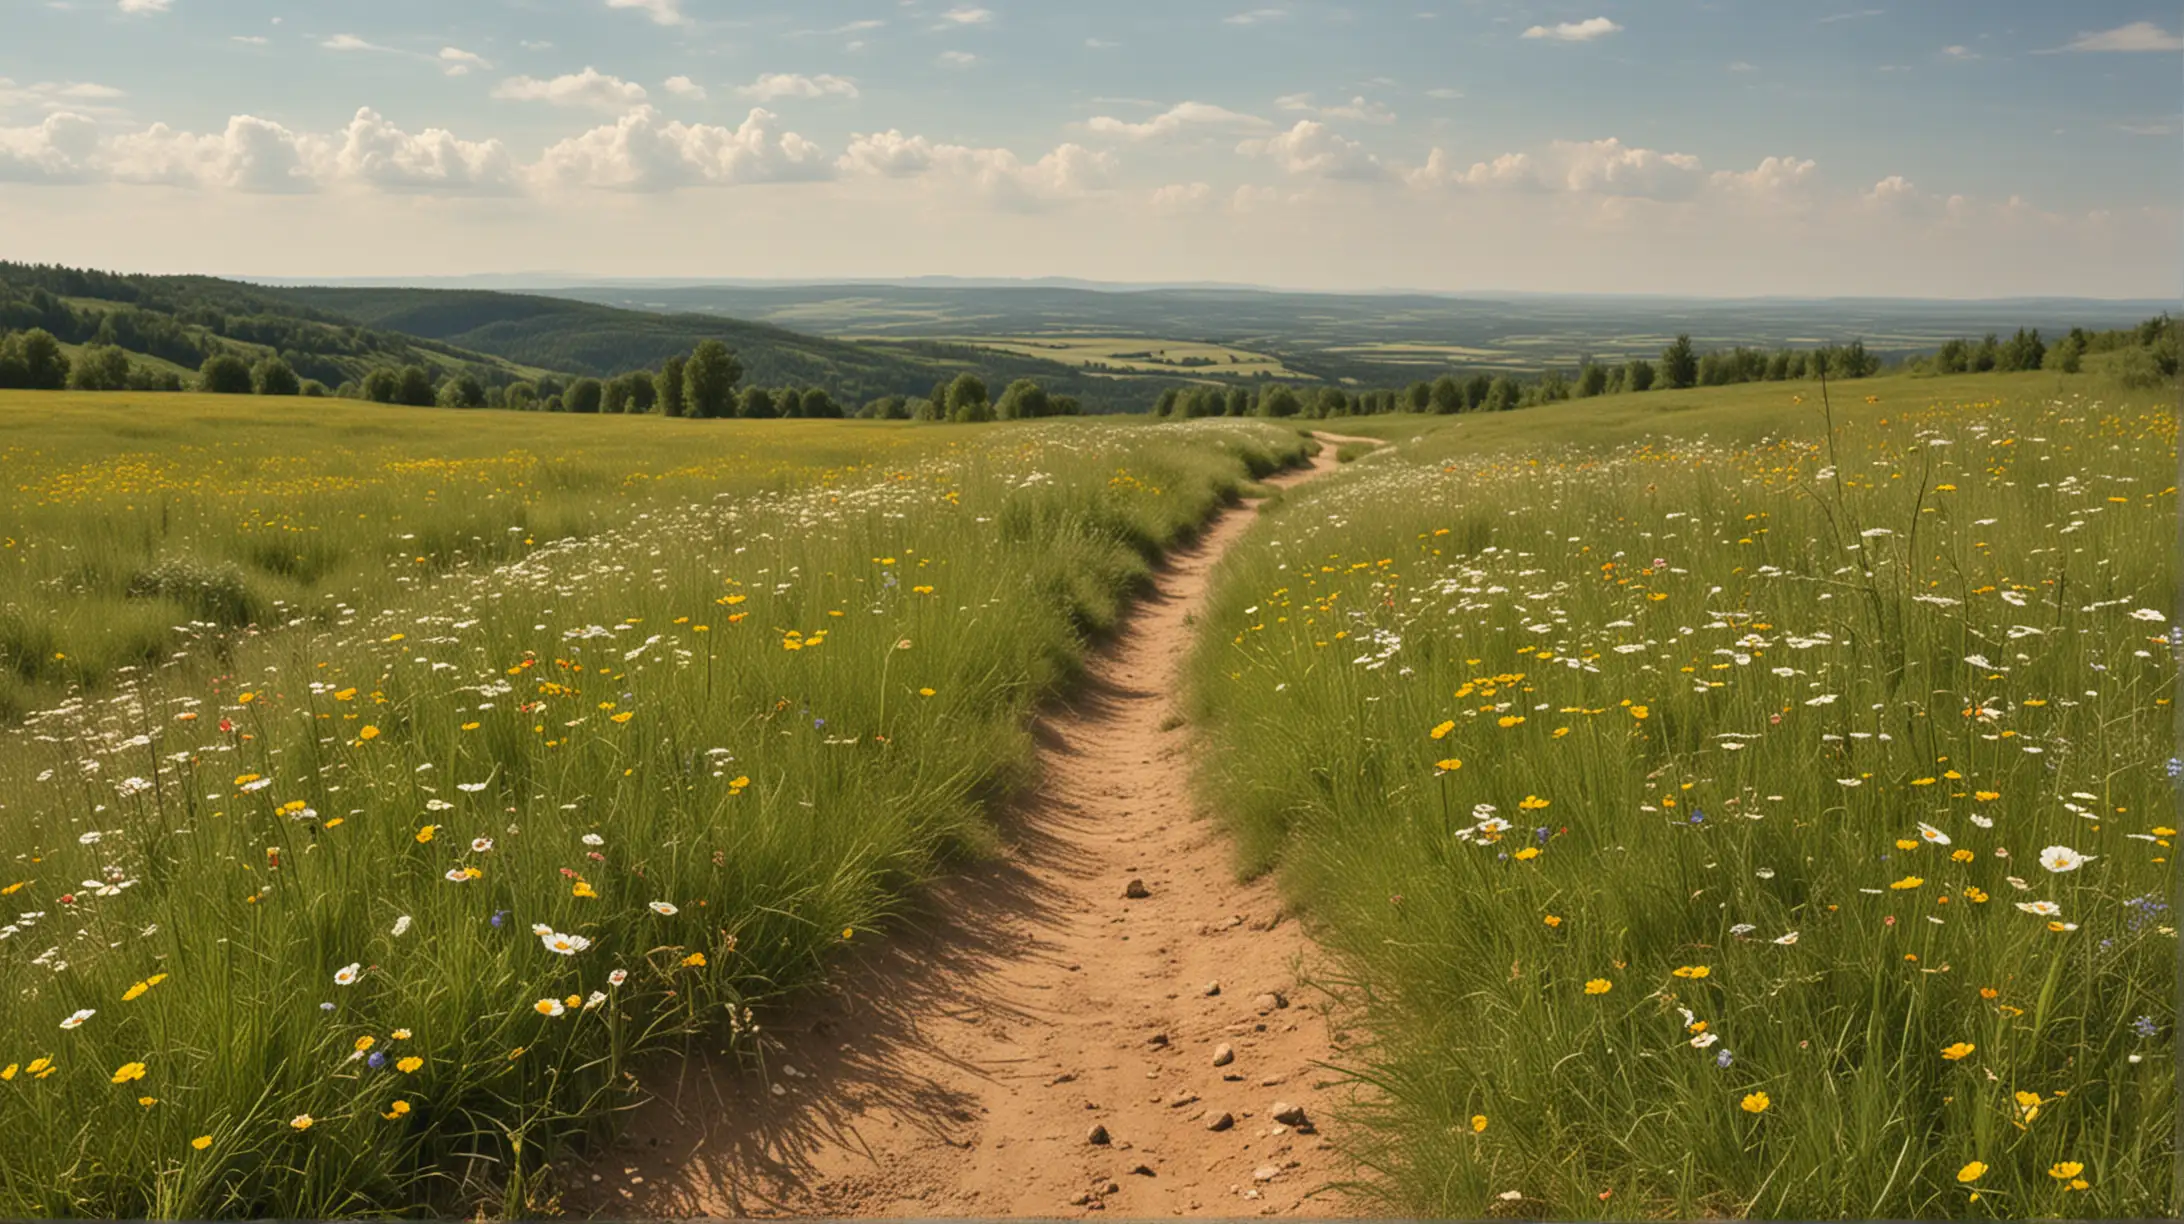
481	845
1703	1040
1933	834
595	998
401	926
617	977
1742	929
1850	782
470	788
550	1007
438	805
566	945
1786	939
2045	909
541	930
346	975
90	838
1765	873
457	875
593	839
76	1021
666	908
1984	822
2059	859
2147	614
1823	699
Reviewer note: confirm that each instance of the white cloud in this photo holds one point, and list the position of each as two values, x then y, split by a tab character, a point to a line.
1358	110
665	12
250	40
967	15
1175	121
590	87
1773	176
375	153
58	150
684	87
251	155
350	42
774	85
955	59
2137	36
1610	169
1575	31
642	152
146	6
1002	178
1181	197
458	61
1314	149
1255	16
1958	52
79	97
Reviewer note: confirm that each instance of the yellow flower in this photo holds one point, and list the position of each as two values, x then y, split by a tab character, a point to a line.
1552	920
1961	855
1441	732
1972	1172
201	1142
695	959
396	1109
147	1102
301	1121
409	1065
129	1071
2065	1170
1756	1103
1986	796
582	890
1693	971
1958	1050
368	733
1532	803
1640	712
134	991
401	1034
1907	882
365	1043
426	834
925	692
1510	720
1599	986
1529	852
623	717
1478	1123
1450	765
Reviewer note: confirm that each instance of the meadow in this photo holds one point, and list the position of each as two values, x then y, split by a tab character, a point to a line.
385	790
1732	802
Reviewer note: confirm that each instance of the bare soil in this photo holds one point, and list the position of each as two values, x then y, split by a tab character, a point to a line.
960	1067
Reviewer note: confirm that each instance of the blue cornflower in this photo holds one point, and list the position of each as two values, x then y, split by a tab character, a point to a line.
2176	767
1697	816
1723	1059
376	1060
498	915
2144	1026
1542	836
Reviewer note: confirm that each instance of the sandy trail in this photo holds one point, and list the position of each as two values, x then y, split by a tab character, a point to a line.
959	1069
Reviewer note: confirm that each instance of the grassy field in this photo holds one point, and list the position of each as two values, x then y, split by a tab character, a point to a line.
1132	354
1714	812
385	784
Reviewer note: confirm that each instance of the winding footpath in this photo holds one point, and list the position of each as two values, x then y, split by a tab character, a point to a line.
1032	1041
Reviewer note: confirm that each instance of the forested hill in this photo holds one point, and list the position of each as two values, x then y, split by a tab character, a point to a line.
169	325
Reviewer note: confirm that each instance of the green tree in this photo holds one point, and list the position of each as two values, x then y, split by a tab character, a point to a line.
757	404
520	397
967	400
1331	402
382	385
2068	357
1169	401
1679	365
274	376
1068	406
614	396
1239	402
585	395
1503	394
100	367
224	374
709	380
1279	401
1419	398
670	388
1476	389
1024	400
1445	396
417	388
927	410
1592	380
819	406
462	391
644	391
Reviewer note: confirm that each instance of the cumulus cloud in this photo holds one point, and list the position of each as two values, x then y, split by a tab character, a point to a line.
999	175
250	154
457	61
146	6
350	42
1774	176
1611	169
375	153
1182	197
1575	31
955	59
665	12
965	15
644	152
58	150
2137	36
590	87
77	97
1175	121
1313	149
684	87
776	85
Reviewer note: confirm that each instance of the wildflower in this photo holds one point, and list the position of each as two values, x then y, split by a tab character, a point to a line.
1907	882
396	1109
128	1072
365	1042
481	845
1526	854
1957	1050
1932	834
76	1020
368	733
1693	971
664	908
2044	909
1533	803
2064	1170
425	834
1786	939
695	959
1724	1059
1552	920
1599	986
409	1065
1704	1040
1441	732
1450	765
301	1122
1478	1124
2059	859
548	1007
566	945
1756	1103
347	974
401	926
401	1034
617	977
201	1142
1972	1172
584	889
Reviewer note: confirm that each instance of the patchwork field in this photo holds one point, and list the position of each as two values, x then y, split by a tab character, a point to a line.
1131	354
383	784
1728	803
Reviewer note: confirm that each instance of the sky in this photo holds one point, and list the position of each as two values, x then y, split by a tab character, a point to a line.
1921	148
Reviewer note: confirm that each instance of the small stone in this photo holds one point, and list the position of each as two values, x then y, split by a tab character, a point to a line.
1144	1171
1157	1039
1212	989
1097	1136
1266	1173
1221	1122
1224	1054
1136	891
1111	1188
1232	1077
1287	1114
1081	1200
1180	1099
1269	1001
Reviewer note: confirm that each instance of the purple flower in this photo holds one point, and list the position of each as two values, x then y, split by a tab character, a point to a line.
376	1060
498	915
1723	1059
1697	816
2144	1026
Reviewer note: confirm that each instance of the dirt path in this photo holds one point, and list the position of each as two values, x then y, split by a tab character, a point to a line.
961	1070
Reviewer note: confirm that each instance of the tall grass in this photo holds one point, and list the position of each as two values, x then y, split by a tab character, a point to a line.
314	880
1695	805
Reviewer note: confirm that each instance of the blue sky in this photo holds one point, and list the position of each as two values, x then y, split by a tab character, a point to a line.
1932	147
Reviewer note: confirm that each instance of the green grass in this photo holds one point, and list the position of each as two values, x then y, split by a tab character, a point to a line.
1716	666
769	675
